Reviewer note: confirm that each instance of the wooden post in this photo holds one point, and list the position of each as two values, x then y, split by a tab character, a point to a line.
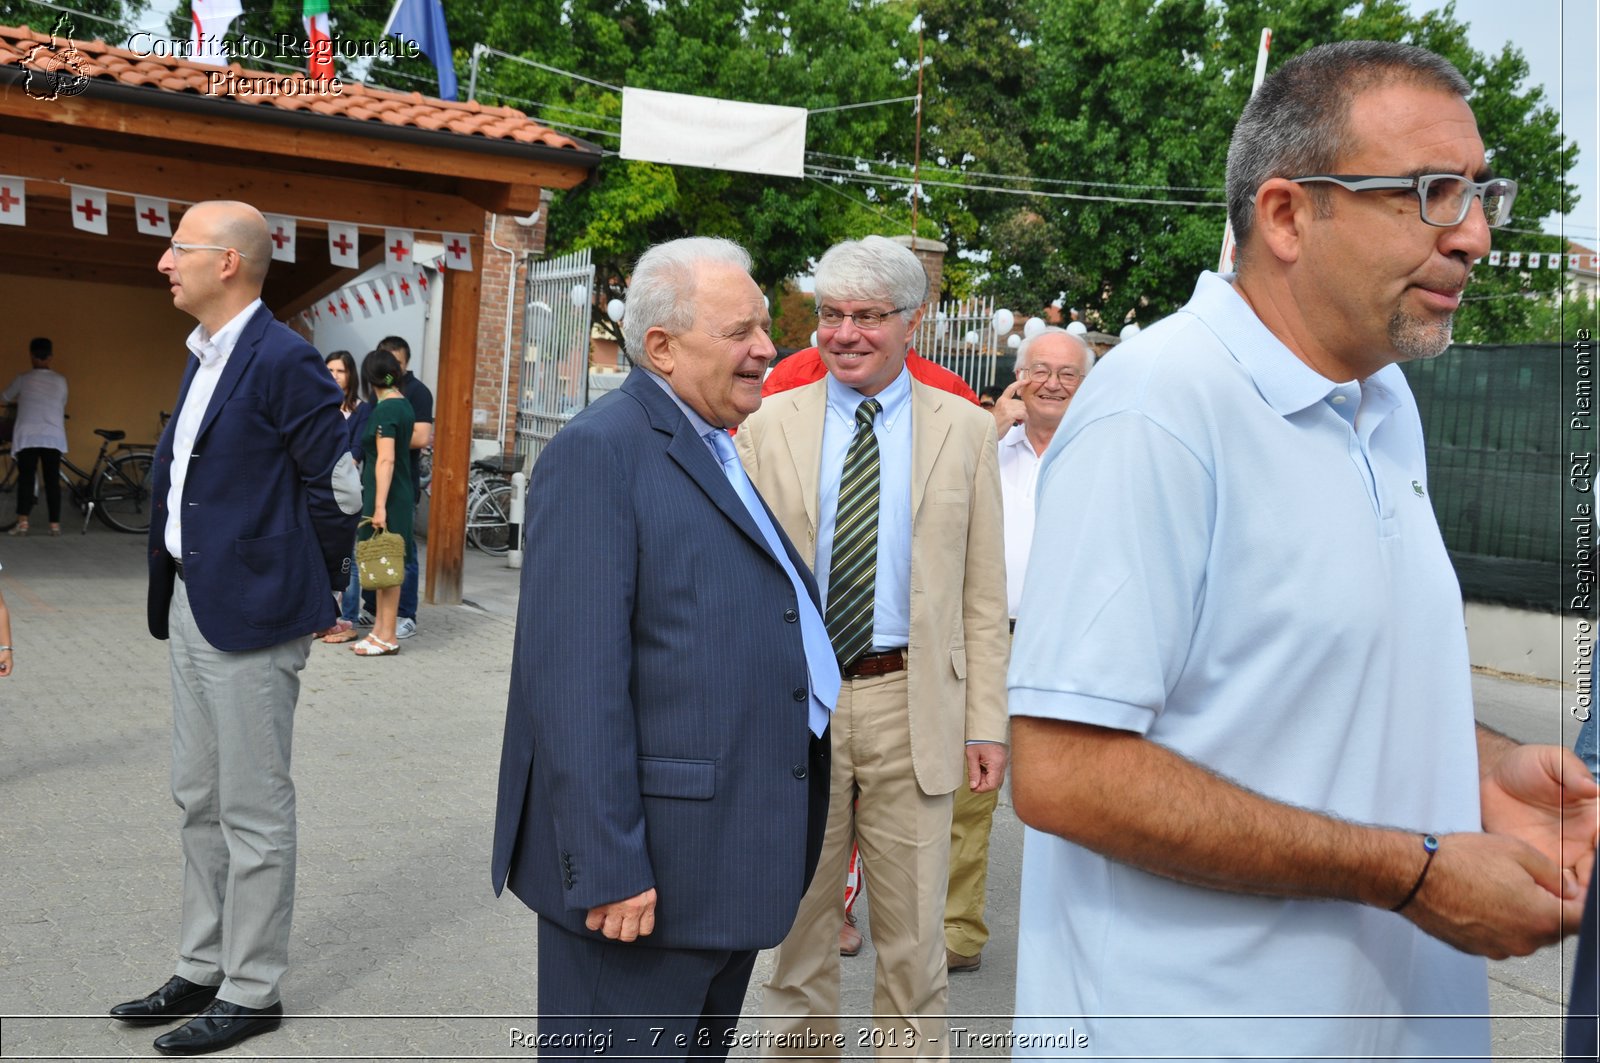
452	440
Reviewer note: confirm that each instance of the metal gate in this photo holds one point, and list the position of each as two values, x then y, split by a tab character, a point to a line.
959	336
555	354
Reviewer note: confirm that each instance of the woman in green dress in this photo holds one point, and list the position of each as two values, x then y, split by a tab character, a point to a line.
386	496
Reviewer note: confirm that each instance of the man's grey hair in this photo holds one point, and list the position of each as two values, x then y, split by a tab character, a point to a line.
661	290
870	269
1027	345
1297	123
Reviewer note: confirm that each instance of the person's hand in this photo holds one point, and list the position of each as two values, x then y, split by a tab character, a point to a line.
380	518
1008	408
1544	796
1492	895
986	766
626	920
5	663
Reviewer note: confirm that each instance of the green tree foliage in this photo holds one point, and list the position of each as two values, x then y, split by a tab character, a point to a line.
109	20
1147	96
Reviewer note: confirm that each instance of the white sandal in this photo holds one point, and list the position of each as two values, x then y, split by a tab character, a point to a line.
372	646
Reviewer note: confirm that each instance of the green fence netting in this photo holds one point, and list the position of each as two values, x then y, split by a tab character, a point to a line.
1501	454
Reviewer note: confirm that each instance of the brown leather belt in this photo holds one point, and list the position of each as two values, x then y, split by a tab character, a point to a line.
870	664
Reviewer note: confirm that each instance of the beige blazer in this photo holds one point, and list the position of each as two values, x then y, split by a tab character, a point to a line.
957	657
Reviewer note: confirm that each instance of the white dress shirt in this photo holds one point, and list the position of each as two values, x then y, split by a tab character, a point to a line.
213	352
1019	475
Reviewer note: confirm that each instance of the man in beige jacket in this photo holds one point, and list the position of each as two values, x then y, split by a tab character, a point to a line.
891	489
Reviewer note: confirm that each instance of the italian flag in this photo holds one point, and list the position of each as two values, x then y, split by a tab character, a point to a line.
320	53
209	20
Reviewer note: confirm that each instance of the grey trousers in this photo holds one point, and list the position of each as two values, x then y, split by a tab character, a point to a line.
232	723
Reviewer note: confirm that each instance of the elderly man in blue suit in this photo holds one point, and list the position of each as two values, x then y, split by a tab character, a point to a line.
670	691
254	499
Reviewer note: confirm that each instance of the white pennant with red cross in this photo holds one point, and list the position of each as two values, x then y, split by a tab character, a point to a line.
457	251
281	231
397	245
13	201
344	245
152	216
88	209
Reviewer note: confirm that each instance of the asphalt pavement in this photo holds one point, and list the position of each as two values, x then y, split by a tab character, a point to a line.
401	951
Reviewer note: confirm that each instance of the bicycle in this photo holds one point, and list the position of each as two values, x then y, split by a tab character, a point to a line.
489	504
116	486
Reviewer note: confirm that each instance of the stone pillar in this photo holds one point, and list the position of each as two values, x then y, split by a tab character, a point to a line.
503	285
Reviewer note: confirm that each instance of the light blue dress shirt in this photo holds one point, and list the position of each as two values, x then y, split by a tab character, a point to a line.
891	604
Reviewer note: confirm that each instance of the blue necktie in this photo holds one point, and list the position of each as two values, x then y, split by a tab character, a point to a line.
821	663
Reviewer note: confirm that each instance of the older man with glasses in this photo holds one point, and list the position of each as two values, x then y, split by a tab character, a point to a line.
1050	366
1262	820
890	489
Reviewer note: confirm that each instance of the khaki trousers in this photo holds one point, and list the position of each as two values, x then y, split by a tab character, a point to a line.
904	836
965	932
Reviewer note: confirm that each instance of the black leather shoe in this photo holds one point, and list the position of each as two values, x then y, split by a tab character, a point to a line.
220	1026
178	999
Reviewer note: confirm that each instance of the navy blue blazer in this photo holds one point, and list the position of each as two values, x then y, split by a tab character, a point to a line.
656	731
270	513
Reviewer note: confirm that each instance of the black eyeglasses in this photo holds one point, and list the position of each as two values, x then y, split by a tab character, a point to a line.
1443	199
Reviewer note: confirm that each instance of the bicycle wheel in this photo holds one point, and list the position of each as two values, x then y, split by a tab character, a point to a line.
489	520
122	493
8	491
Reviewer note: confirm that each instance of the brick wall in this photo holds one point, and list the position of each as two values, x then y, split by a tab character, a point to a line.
931	254
499	269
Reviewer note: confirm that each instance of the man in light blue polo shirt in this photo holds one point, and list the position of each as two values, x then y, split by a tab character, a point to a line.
1242	713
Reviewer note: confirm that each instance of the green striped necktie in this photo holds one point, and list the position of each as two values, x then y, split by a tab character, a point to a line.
853	568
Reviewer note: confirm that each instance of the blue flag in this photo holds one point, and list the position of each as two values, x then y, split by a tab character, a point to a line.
421	22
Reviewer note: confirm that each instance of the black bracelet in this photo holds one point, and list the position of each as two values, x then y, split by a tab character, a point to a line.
1431	844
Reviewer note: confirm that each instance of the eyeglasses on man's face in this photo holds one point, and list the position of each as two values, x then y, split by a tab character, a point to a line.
831	317
1442	198
179	250
1067	376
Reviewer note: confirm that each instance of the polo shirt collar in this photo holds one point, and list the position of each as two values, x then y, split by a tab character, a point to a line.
1286	383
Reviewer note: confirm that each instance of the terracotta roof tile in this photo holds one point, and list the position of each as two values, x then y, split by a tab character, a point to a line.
21	46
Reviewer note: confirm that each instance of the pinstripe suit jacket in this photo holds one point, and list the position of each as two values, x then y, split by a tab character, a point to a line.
656	732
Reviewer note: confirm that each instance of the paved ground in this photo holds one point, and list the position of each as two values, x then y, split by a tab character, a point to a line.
401	950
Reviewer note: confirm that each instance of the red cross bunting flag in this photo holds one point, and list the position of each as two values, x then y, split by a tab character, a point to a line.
88	209
408	291
344	245
397	247
280	230
1552	261
13	201
422	281
388	284
1514	259
1494	258
1533	260
152	216
377	296
457	251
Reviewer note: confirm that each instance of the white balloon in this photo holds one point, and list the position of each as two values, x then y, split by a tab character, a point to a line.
1129	331
971	336
1003	321
580	295
615	309
1034	326
1077	328
1013	342
813	339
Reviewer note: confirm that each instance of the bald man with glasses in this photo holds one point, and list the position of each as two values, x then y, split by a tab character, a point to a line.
254	499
